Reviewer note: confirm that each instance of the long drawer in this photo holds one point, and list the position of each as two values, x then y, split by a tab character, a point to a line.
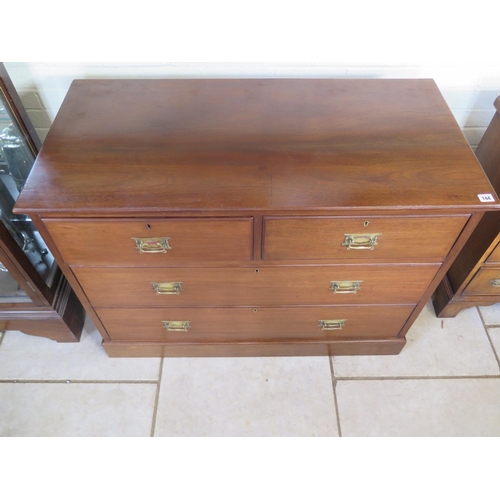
264	286
243	323
407	239
153	242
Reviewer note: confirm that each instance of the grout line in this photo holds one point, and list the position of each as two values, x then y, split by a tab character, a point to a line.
488	335
157	398
334	379
2	335
334	387
430	377
69	381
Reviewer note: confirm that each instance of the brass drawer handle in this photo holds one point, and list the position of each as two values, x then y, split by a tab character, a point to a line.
345	286
171	288
152	245
360	241
177	326
495	283
331	324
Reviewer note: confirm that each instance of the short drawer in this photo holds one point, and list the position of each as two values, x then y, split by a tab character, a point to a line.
264	286
246	324
152	242
370	238
485	282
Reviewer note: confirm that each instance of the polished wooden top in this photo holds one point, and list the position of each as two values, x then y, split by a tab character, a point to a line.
160	146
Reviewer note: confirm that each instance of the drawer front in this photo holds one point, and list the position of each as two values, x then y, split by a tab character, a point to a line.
485	282
246	324
371	238
265	286
495	255
152	242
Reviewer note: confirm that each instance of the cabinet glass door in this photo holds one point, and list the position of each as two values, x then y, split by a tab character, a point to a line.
16	159
10	291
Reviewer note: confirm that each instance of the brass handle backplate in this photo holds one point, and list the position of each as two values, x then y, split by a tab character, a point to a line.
331	324
152	245
495	283
170	288
345	286
177	326
360	241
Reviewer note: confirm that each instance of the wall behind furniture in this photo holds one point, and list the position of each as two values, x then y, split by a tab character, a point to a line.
469	89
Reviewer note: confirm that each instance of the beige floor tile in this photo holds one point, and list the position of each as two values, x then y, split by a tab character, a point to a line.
439	407
435	347
59	409
24	357
246	397
491	314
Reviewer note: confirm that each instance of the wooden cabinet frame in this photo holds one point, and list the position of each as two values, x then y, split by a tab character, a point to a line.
53	310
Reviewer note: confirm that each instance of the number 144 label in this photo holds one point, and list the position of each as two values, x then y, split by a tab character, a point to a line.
484	198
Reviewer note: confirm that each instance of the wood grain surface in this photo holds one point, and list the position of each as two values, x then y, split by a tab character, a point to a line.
112	242
482	284
400	238
164	145
245	324
263	286
376	347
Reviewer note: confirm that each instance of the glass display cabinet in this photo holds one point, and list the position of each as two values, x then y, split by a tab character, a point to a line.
35	297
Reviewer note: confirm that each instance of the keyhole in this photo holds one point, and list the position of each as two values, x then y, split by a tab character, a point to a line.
256	271
366	223
148	226
255	310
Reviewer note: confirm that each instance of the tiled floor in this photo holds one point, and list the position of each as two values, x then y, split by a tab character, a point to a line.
446	382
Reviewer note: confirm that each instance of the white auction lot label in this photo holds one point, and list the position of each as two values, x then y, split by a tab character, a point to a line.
484	198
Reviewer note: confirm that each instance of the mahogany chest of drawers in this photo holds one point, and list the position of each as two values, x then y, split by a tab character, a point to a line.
255	217
474	277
